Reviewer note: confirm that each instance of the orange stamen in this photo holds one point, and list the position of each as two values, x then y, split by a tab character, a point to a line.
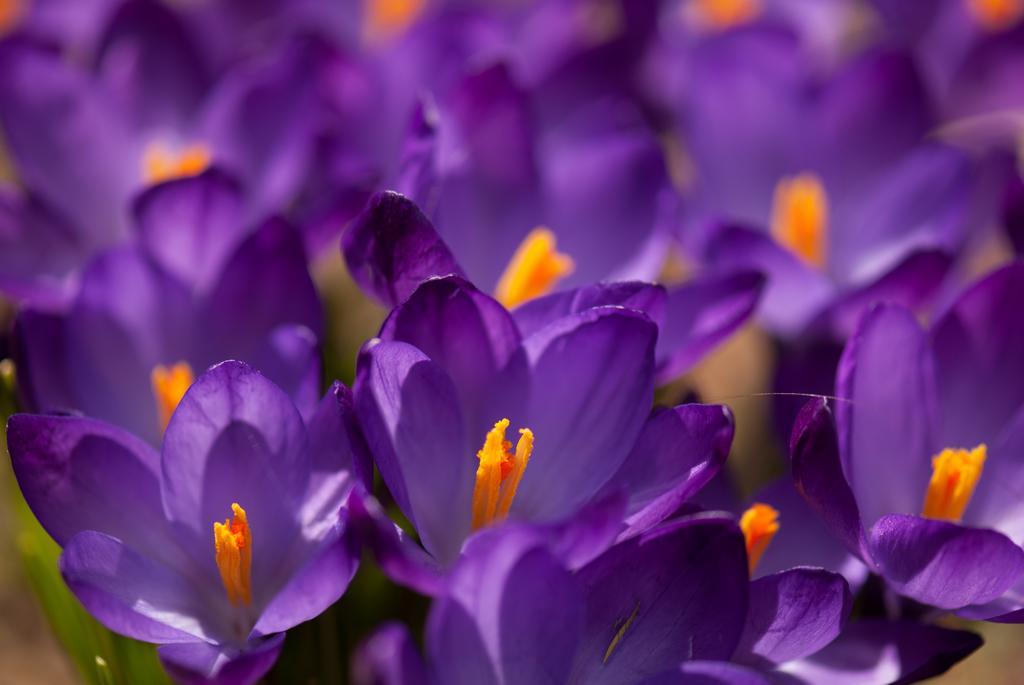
759	524
498	474
534	270
955	475
800	217
169	386
233	548
160	163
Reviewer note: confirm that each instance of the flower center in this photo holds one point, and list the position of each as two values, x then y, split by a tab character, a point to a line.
390	17
499	473
724	14
759	524
161	163
11	12
169	386
232	542
535	268
800	217
955	475
996	15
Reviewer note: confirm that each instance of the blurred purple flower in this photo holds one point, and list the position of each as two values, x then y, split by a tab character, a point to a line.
201	285
845	204
144	549
85	139
922	481
392	247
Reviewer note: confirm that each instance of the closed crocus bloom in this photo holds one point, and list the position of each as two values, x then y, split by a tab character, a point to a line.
472	421
200	285
214	546
392	248
671	606
825	185
921	482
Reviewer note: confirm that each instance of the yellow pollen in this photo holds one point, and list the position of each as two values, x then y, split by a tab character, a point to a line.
499	473
800	217
955	474
759	524
169	386
996	15
391	17
534	269
232	542
160	163
724	14
11	13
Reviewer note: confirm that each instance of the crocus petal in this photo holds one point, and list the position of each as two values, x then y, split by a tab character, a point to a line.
40	352
61	135
887	419
870	114
236	437
944	564
592	389
803	538
708	673
191	226
315	586
264	284
128	317
339	457
501	588
793	614
649	298
392	247
700	315
80	474
260	123
680	591
677	453
202	663
604	172
39	250
979	355
488	196
818	475
151	67
290	357
912	283
410	414
794	292
389	657
474	339
133	595
923	203
998	501
401	558
575	541
876	652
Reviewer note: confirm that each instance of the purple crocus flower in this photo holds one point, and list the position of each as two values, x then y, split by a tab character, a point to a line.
145	549
453	374
392	247
969	50
84	139
201	285
922	480
674	605
859	208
